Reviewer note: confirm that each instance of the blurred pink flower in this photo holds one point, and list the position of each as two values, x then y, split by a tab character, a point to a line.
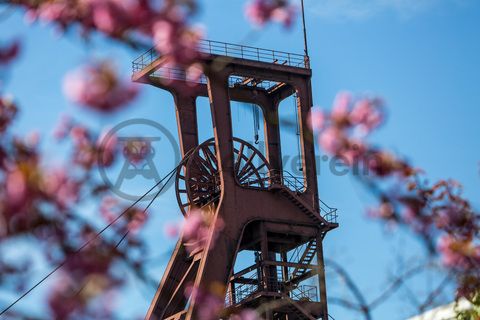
62	187
341	107
260	12
383	211
210	304
366	114
62	12
332	140
16	188
317	120
110	16
109	208
194	73
247	314
63	127
197	228
136	220
107	148
174	40
99	88
285	15
458	253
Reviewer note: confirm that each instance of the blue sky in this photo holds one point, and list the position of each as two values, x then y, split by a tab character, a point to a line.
422	57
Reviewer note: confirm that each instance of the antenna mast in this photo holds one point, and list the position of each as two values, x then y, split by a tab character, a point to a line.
305	40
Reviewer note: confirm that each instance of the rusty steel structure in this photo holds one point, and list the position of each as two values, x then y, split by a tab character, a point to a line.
269	214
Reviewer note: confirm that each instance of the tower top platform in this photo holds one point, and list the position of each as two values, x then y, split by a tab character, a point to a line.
151	66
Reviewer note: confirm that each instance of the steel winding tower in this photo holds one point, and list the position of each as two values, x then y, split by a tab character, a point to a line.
268	213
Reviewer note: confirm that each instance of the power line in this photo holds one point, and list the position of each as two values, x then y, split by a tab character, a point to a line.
64	262
147	207
128	231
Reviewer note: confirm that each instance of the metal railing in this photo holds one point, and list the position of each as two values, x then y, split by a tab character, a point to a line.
210	47
272	284
244	290
287	179
298	185
293	183
305	293
328	213
252	53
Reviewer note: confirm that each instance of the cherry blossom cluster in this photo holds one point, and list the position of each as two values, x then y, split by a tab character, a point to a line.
99	87
259	12
43	202
436	212
198	227
128	21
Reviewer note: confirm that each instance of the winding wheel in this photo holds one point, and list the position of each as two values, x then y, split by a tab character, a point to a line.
197	179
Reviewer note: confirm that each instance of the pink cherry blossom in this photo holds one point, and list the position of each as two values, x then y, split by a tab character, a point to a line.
107	145
197	229
63	127
317	120
247	314
457	253
61	187
210	304
173	40
332	140
136	220
99	88
260	12
341	107
383	211
111	16
16	187
109	208
366	114
285	15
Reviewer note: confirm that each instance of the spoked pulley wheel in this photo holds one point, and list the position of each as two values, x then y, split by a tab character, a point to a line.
198	182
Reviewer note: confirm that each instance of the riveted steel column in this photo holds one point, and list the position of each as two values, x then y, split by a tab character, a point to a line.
304	105
185	107
321	277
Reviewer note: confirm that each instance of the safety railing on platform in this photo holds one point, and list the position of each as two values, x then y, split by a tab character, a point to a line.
294	183
305	293
328	213
239	292
251	285
231	50
287	179
253	53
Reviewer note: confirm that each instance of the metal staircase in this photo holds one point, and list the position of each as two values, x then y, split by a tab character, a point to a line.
292	187
305	259
299	313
